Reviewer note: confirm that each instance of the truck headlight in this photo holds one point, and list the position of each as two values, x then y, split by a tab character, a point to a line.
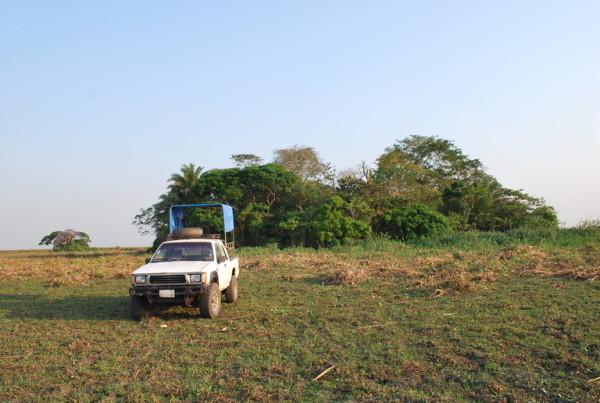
139	279
198	278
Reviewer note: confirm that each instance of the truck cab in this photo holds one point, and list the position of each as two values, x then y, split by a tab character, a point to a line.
190	269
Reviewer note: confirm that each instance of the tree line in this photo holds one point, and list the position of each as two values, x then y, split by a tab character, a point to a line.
420	186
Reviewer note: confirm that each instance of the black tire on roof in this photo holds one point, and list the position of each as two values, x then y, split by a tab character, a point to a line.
189	232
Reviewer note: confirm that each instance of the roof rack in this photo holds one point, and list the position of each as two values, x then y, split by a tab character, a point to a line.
177	221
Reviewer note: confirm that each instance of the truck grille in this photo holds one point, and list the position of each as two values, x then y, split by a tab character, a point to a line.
168	279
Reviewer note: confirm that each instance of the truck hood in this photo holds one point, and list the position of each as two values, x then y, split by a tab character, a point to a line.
173	267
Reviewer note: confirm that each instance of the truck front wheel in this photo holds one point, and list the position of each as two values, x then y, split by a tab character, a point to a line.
231	292
139	307
210	302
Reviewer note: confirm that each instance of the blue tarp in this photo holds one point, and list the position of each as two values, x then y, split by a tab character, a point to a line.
176	215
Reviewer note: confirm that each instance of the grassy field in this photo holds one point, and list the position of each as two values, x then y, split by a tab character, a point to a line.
440	322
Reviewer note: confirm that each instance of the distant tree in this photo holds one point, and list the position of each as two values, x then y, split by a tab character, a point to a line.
364	187
434	172
260	195
418	169
351	182
246	160
439	156
405	179
185	183
67	240
306	163
420	186
465	202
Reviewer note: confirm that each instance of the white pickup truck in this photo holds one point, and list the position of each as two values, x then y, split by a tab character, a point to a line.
192	272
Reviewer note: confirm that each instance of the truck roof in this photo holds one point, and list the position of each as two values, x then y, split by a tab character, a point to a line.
191	240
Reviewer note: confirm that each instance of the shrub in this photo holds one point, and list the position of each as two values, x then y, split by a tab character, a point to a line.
333	225
329	224
414	222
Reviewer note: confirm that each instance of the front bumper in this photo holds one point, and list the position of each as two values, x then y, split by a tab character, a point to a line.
181	291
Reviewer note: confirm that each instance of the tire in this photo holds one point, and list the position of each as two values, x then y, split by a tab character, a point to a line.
231	292
139	308
189	232
210	302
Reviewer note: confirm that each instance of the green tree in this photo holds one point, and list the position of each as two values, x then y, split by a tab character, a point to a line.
67	241
442	158
333	224
434	172
420	186
405	180
185	183
465	202
260	195
328	224
419	168
246	160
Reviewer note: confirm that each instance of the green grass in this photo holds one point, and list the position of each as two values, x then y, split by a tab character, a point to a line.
518	338
488	242
546	238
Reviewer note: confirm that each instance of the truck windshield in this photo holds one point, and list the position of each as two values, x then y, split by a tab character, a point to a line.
185	251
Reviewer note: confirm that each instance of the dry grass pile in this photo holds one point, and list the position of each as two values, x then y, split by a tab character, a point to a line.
451	271
458	271
58	269
578	264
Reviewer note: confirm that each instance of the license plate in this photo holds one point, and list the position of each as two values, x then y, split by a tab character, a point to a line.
166	293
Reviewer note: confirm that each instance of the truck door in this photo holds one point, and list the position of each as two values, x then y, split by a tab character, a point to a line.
223	266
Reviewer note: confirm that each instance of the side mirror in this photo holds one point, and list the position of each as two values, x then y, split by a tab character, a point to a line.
148	260
221	259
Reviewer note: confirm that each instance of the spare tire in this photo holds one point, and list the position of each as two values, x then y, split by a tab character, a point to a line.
189	232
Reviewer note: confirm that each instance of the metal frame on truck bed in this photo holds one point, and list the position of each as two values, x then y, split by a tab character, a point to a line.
177	221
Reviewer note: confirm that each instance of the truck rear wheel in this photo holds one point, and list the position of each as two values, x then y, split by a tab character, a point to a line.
139	308
210	302
231	292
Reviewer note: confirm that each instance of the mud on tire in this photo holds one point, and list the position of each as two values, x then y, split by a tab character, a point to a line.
210	302
231	292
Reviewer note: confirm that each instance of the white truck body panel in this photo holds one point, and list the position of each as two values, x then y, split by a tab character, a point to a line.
175	268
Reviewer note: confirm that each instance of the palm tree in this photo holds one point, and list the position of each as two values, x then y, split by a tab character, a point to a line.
185	184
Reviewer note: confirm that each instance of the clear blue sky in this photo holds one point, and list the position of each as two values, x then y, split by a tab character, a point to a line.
101	101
